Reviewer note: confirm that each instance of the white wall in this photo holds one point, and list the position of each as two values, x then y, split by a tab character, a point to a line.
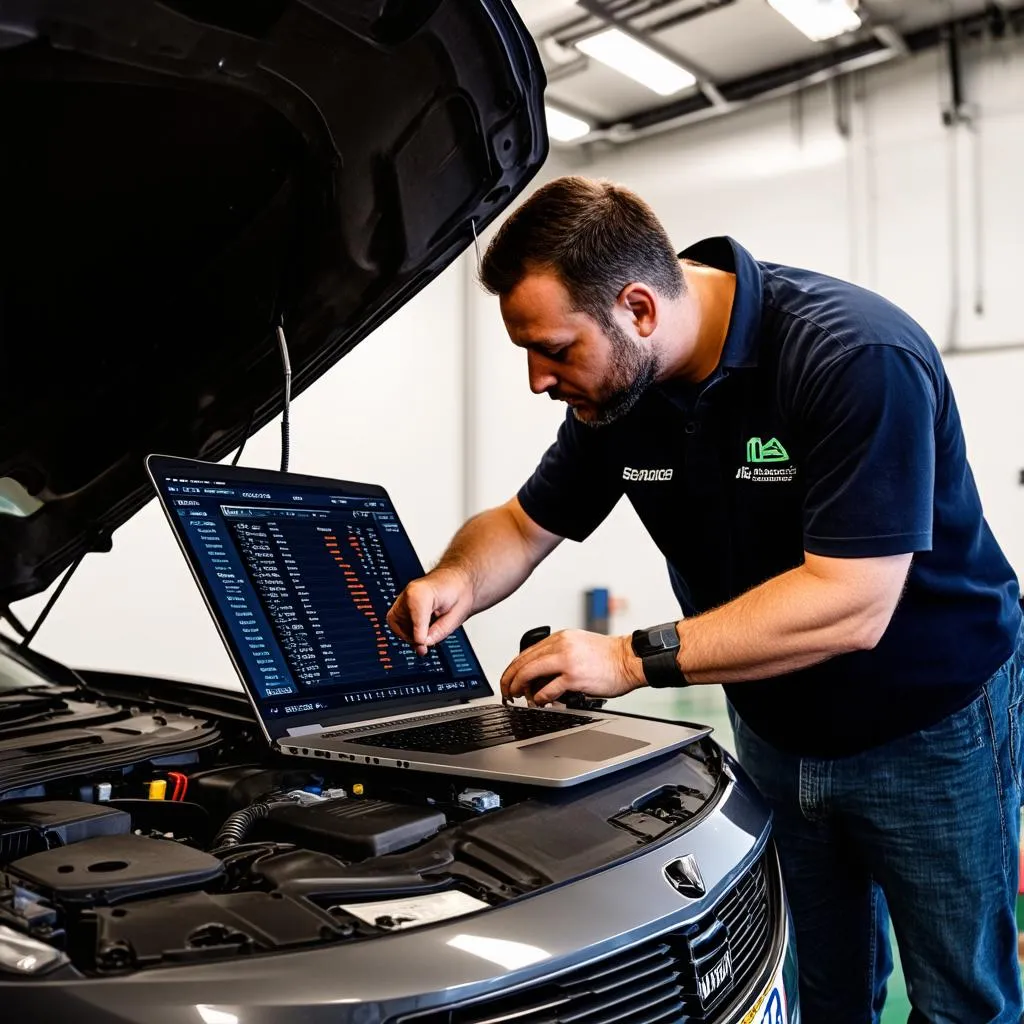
896	206
138	609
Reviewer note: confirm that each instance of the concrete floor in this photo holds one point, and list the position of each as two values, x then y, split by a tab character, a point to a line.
706	705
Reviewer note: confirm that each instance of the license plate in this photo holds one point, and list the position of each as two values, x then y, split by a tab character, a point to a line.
770	1008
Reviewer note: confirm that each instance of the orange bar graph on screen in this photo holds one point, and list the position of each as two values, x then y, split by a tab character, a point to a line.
359	594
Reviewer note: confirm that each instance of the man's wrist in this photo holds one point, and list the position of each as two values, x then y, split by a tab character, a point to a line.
658	649
632	666
461	568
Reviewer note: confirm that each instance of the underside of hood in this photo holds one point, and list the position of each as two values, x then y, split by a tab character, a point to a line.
180	177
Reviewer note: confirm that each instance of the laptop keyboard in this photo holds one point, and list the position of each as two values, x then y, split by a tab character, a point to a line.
477	732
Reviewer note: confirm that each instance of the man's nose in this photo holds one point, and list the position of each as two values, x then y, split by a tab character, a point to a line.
541	378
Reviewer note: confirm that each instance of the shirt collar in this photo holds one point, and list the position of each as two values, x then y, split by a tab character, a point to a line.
725	253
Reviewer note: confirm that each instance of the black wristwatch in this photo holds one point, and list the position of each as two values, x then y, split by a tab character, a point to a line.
656	647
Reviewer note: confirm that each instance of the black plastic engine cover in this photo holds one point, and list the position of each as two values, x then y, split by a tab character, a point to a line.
351	828
197	926
114	868
72	820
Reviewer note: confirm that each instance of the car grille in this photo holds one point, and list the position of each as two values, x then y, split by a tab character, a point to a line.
655	981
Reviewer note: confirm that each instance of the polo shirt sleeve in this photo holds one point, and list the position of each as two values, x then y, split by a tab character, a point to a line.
573	488
868	430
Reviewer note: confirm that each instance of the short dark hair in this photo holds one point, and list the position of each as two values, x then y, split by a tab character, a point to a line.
595	235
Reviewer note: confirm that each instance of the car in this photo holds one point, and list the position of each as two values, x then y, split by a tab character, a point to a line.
181	178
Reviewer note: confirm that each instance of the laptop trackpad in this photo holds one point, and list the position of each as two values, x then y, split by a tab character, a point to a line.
585	745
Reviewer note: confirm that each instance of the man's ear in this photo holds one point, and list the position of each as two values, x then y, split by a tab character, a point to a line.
641	303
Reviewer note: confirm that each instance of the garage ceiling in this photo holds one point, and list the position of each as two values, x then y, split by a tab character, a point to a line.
738	50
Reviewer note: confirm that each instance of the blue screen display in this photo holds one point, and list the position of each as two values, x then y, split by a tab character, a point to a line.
301	574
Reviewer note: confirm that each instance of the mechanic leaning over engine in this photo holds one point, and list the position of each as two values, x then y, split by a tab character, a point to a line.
792	445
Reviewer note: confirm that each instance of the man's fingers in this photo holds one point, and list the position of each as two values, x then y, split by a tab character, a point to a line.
543	649
443	625
590	663
522	679
419	603
424	615
551	691
398	619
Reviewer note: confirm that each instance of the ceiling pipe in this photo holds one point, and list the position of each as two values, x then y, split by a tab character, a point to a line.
672	20
881	46
601	13
702	110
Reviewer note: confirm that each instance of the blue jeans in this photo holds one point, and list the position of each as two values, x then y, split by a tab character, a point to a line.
925	828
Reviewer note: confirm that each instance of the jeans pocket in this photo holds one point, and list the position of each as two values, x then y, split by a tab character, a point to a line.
959	733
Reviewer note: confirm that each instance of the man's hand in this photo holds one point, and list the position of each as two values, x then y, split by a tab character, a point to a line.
590	663
432	607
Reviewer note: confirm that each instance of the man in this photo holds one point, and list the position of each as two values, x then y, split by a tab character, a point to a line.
792	445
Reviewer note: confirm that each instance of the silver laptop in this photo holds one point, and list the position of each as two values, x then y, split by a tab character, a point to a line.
299	573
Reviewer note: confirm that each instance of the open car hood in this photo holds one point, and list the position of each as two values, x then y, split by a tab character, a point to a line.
178	178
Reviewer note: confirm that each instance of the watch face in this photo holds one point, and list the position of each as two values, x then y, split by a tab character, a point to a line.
658	638
664	637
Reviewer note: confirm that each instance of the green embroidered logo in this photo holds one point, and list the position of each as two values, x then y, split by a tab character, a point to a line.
771	451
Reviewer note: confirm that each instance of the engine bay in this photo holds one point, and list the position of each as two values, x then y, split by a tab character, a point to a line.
230	850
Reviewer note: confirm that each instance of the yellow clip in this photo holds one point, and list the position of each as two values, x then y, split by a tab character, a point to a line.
158	789
357	789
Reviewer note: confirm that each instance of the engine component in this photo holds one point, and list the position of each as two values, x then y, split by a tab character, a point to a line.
114	868
179	819
197	926
479	799
315	795
657	812
20	840
27	910
180	780
237	826
223	790
20	954
324	879
24	826
281	869
351	828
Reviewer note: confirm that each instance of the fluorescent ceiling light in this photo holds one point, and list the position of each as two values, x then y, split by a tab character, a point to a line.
564	127
630	57
818	19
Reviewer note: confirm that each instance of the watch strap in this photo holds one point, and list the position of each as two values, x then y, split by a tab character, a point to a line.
662	669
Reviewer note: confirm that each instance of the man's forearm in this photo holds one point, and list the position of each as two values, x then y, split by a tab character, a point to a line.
827	606
497	550
792	621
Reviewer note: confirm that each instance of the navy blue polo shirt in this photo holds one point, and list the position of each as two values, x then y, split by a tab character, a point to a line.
829	426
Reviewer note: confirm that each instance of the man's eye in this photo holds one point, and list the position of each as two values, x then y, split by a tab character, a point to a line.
556	355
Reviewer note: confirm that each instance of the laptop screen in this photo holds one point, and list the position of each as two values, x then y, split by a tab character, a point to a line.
299	573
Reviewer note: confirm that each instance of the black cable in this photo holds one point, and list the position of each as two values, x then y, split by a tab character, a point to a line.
285	432
245	437
286	443
30	635
15	622
237	825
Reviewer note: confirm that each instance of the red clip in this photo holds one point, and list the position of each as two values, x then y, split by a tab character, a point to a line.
180	785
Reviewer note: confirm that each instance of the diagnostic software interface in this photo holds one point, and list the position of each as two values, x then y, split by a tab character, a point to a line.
302	578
